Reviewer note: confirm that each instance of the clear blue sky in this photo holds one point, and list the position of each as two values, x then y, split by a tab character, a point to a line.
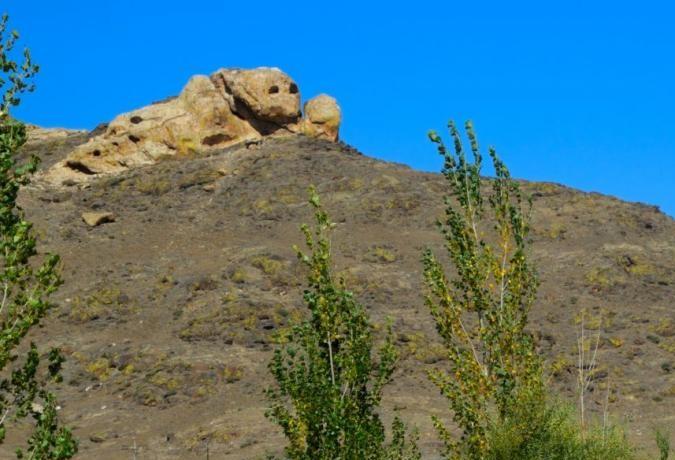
581	93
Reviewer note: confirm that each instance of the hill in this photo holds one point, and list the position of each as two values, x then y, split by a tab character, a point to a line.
168	314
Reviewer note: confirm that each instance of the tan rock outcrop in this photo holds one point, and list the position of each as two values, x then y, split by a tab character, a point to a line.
266	95
229	107
94	219
39	135
322	118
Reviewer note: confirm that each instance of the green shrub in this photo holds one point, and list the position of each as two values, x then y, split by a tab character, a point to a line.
24	284
329	386
557	436
663	443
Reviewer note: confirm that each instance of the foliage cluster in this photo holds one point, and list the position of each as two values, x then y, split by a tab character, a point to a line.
329	385
25	284
558	435
482	312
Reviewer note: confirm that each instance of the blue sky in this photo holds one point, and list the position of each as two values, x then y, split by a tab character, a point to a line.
580	93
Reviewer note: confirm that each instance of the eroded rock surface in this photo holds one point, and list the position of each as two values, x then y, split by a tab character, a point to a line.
39	135
94	219
266	96
322	118
229	107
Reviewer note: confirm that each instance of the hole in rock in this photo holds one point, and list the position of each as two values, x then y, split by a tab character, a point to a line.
273	89
96	153
134	139
216	139
293	89
79	167
136	119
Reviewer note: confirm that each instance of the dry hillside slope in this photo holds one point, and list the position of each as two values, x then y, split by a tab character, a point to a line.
168	314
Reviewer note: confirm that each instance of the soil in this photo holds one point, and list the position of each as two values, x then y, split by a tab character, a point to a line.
168	315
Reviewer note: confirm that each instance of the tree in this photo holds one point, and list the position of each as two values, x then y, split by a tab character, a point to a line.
25	283
494	373
329	386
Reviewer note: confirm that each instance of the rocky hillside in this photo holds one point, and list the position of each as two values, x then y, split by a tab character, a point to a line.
170	306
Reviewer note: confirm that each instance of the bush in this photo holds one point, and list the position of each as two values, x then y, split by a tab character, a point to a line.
557	436
663	443
24	288
329	386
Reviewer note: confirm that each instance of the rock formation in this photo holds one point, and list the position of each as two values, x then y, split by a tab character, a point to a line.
322	118
94	219
39	135
229	107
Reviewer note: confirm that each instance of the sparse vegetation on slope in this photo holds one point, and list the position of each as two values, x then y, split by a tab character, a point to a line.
176	346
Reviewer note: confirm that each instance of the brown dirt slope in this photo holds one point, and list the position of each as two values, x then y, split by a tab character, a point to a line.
168	315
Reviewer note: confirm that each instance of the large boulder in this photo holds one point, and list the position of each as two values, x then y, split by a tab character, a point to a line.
229	107
264	94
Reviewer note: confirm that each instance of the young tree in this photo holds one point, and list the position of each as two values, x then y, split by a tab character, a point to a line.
329	386
25	284
481	313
